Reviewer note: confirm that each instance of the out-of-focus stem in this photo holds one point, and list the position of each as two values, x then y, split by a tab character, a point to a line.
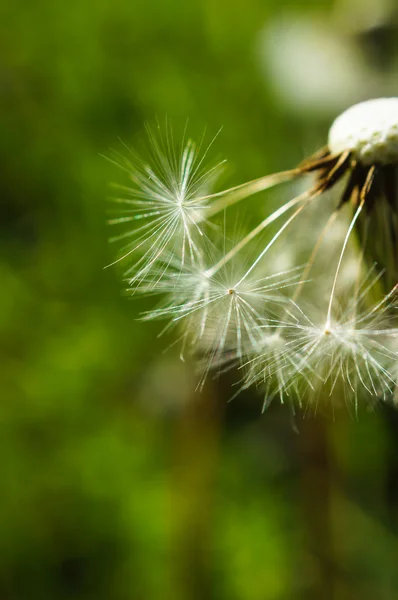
315	494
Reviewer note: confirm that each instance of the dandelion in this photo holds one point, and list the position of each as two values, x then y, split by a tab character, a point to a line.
234	306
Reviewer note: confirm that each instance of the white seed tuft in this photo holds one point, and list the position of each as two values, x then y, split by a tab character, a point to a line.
369	130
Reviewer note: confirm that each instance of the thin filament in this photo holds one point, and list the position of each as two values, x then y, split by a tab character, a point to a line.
276	236
314	254
250	236
349	231
244	190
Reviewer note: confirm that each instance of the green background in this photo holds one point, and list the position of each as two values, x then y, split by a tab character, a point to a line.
118	480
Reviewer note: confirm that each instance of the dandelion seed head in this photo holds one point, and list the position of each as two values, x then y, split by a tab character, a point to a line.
235	308
369	130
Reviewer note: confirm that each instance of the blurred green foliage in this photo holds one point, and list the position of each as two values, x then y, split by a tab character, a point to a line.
118	480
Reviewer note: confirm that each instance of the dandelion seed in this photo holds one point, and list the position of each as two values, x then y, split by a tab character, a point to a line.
352	350
220	313
228	319
167	202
